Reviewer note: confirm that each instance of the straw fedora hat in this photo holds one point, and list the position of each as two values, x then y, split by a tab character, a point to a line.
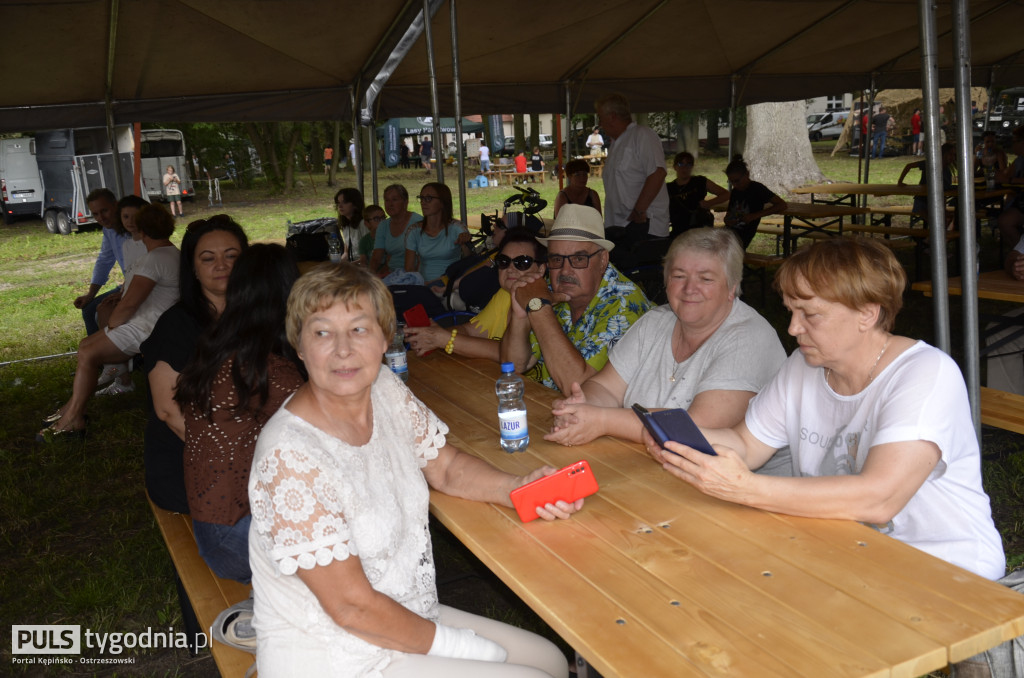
579	223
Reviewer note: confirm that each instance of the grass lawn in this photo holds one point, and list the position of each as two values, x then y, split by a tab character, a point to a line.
78	543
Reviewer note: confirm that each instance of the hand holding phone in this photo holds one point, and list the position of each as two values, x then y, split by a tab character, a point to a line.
675	425
568	484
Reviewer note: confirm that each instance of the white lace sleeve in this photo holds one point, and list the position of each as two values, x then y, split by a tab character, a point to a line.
297	512
428	431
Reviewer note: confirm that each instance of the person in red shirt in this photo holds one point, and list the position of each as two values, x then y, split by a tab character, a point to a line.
915	131
864	132
520	161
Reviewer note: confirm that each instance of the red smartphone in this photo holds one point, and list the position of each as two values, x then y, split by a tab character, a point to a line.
573	482
416	316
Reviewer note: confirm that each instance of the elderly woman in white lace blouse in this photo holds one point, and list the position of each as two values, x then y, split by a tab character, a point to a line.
343	571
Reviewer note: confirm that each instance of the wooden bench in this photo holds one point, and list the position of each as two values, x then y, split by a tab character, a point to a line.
885	215
520	177
1002	409
759	265
207	594
772	225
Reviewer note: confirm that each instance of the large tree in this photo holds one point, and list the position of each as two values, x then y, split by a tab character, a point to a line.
778	150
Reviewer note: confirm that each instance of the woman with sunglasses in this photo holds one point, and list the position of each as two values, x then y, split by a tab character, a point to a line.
440	241
688	206
577	172
519	253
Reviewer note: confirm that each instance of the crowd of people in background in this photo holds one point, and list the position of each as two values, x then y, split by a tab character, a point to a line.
305	463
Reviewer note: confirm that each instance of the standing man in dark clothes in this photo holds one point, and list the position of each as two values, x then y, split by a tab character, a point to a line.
880	131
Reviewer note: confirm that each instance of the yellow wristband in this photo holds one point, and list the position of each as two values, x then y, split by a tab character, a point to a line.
450	346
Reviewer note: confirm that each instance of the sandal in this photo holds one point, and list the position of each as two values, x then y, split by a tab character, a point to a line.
52	435
233	627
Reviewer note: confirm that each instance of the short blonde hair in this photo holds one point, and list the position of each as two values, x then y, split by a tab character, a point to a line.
330	283
853	272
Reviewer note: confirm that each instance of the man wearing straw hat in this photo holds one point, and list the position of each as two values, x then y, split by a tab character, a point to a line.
561	336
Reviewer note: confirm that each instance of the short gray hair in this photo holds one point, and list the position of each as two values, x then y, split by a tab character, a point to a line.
614	104
719	242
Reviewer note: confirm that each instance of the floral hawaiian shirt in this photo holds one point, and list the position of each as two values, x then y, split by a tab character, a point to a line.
616	306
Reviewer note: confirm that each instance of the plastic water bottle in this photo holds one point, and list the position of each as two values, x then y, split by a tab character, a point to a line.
515	435
395	356
334	247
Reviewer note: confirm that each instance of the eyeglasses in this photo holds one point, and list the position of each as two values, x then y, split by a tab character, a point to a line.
427	198
522	262
684	163
575	260
375	220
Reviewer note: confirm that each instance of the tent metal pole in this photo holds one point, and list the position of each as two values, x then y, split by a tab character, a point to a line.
371	135
860	148
460	149
936	213
433	91
357	159
109	103
867	148
732	114
965	207
569	143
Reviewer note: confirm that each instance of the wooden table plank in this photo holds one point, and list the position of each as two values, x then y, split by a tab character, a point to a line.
996	285
725	589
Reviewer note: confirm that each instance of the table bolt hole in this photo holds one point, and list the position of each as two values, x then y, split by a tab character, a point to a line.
862	543
620	622
766	573
674	603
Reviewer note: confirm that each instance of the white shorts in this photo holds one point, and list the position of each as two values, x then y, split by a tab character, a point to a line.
128	338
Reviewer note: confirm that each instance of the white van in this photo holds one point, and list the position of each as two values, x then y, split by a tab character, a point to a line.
21	191
827	125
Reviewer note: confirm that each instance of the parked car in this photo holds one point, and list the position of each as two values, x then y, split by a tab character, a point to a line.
546	144
21	191
827	125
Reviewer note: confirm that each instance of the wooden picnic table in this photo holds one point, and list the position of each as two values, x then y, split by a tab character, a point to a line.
997	285
845	192
653	578
801	219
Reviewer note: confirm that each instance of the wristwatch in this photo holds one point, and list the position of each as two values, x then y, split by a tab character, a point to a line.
537	303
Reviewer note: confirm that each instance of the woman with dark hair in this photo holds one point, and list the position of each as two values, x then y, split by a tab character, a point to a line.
209	250
242	370
519	253
150	287
440	241
351	227
576	173
688	206
390	243
748	201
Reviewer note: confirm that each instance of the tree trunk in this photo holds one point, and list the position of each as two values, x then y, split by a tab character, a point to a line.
519	131
534	132
263	140
778	151
332	177
713	118
688	128
290	159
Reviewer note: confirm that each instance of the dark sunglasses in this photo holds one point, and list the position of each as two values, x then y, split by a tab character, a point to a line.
522	262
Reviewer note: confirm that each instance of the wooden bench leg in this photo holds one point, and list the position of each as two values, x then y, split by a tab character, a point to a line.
193	629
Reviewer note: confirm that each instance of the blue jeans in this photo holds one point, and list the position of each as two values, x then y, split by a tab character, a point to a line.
879	139
225	548
485	165
89	311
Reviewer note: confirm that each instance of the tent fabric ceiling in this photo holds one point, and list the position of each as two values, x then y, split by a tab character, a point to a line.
233	60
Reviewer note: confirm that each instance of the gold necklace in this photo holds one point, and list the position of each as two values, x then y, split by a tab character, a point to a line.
871	374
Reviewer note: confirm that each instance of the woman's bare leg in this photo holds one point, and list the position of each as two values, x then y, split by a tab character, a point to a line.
93	352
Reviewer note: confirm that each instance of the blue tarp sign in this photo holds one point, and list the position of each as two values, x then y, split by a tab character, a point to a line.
391	152
497	133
